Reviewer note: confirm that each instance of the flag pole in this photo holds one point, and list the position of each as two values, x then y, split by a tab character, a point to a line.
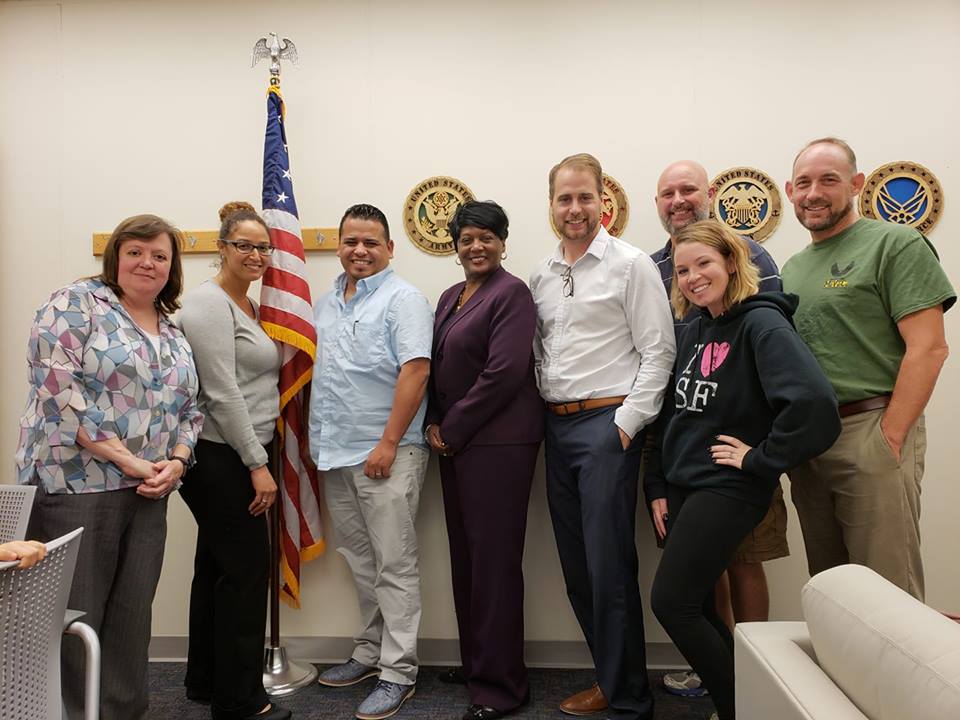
281	676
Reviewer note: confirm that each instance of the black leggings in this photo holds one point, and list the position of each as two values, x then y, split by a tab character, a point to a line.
704	531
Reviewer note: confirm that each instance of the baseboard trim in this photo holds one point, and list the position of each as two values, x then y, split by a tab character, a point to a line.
432	651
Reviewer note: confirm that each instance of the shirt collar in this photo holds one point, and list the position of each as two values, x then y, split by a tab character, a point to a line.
365	285
668	248
105	293
597	247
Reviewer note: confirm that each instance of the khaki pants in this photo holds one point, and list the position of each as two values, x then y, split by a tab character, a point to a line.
857	504
373	521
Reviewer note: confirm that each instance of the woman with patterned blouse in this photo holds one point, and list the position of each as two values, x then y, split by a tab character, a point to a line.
230	489
108	430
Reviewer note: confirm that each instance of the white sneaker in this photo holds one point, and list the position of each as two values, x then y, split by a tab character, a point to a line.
686	684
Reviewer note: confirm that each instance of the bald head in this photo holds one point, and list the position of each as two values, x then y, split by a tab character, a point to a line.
689	170
683	195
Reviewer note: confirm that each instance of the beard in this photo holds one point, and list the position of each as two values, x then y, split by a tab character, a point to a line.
590	229
831	220
699	213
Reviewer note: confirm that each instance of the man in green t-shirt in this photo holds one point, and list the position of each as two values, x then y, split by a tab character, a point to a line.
872	299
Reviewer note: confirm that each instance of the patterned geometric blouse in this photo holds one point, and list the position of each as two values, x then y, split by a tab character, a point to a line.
92	367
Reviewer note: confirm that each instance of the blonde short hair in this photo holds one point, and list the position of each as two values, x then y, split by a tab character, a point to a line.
745	280
580	161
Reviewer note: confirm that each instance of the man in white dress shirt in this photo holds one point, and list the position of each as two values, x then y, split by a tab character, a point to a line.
605	349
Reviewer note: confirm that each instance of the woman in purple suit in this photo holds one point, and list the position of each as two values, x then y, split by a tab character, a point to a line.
485	418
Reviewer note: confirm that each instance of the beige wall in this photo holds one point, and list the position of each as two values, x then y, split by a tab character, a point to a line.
113	108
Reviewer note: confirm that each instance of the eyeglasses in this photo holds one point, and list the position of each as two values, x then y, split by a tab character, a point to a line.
567	277
245	248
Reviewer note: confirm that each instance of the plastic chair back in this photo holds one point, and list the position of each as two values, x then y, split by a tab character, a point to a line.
32	606
16	502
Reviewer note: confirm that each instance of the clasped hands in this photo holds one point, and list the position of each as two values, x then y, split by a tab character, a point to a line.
159	478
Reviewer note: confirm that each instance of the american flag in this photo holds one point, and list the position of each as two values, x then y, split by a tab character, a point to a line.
286	315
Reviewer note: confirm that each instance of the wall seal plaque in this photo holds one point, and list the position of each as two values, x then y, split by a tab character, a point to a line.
428	210
905	193
614	208
747	201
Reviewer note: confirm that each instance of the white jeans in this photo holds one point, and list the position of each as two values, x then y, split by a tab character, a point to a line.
373	522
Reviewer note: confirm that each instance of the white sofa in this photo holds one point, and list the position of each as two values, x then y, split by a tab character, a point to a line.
867	651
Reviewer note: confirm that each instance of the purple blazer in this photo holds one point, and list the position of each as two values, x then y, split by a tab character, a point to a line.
482	385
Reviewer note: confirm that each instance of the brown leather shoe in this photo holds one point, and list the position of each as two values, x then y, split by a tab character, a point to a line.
588	702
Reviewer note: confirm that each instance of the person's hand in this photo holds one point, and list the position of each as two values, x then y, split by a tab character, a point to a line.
167	475
731	452
436	442
895	443
658	509
624	438
28	552
137	467
953	616
380	460
265	490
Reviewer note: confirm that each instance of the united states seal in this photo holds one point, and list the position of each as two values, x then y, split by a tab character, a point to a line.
747	201
428	210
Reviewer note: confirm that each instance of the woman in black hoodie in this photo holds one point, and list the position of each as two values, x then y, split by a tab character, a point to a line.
750	403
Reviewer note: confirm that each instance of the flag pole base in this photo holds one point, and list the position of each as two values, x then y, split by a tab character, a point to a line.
282	676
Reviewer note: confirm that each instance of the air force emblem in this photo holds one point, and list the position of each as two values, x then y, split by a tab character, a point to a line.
905	193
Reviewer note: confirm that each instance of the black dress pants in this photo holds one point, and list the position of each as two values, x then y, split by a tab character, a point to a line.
704	530
228	598
592	492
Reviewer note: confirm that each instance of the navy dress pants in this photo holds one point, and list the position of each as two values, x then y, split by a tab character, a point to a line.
592	492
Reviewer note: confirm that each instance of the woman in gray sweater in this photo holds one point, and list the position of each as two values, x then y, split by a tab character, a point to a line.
230	488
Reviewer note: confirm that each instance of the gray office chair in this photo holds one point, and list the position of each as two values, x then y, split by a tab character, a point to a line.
33	605
16	502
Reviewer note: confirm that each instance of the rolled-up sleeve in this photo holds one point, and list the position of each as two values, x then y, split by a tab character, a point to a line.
651	327
55	357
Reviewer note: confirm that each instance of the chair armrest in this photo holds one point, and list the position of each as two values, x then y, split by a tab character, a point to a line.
91	643
70	617
777	676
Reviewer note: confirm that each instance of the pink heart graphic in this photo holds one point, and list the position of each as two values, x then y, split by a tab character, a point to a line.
713	356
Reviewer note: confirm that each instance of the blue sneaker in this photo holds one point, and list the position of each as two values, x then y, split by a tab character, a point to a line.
349	673
385	700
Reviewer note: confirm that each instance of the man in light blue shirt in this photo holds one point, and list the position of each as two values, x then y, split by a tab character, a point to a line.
367	404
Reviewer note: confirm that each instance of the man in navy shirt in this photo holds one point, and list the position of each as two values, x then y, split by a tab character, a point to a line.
683	197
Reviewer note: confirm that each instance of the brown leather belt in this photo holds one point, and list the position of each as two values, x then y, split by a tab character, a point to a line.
862	406
575	406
